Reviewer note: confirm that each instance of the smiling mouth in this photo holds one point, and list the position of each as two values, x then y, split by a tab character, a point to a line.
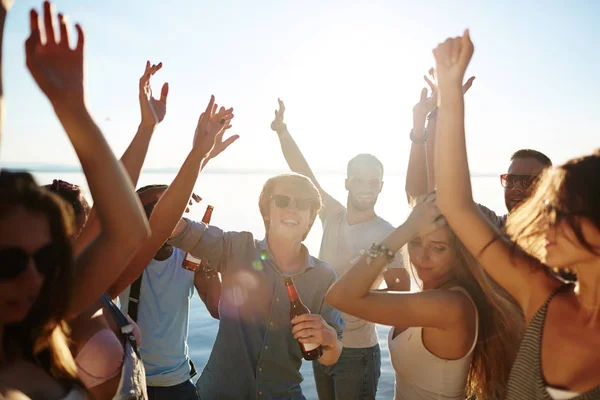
290	222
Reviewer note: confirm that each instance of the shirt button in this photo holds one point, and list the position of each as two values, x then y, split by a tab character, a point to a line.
260	370
266	347
277	299
270	323
260	392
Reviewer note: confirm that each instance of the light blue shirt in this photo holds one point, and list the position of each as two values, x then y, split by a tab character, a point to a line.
163	318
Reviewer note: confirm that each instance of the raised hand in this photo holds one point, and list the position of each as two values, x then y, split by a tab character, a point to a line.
425	217
425	104
210	124
452	58
220	144
278	125
153	111
56	68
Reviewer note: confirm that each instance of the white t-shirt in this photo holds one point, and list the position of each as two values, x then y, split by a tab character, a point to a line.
340	245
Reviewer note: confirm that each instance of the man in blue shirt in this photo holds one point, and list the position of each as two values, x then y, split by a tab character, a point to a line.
256	353
163	314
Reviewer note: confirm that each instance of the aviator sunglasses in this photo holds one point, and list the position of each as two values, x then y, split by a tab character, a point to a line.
283	201
14	261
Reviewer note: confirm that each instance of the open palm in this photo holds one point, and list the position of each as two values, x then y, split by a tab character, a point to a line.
153	110
55	67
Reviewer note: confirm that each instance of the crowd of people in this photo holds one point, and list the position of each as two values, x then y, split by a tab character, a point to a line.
508	306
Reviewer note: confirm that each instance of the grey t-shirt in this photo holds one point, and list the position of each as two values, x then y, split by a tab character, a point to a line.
341	244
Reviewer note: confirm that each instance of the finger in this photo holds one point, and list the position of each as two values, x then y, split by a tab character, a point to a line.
34	27
432	72
430	83
156	68
210	105
164	92
49	22
80	38
467	48
147	67
196	198
64	32
305	334
306	317
281	106
423	95
230	140
302	326
468	84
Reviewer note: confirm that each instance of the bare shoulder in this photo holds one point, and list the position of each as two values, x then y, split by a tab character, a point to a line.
23	380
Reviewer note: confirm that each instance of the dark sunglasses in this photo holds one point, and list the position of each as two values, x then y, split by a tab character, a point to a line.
283	201
14	261
552	213
510	180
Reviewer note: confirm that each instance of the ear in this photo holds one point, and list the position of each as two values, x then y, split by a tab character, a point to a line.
346	184
381	187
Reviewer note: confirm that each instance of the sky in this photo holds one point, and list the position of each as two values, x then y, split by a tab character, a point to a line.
349	72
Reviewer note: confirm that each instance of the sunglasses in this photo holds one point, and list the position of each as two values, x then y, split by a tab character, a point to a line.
283	201
14	261
510	180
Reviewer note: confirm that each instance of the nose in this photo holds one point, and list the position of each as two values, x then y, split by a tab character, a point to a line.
31	278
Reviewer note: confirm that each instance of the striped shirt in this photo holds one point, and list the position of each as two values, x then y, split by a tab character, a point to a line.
526	380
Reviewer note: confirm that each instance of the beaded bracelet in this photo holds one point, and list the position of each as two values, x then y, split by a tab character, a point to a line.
378	250
209	273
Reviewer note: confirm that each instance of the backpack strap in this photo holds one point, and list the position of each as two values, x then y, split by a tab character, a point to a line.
134	298
125	326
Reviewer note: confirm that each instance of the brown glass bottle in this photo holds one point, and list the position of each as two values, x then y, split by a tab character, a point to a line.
190	262
310	351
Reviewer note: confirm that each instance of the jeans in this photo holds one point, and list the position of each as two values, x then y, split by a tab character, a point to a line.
353	377
184	391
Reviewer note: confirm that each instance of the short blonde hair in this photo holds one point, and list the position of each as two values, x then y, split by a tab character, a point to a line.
296	181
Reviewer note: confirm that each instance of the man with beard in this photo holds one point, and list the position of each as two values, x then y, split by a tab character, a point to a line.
526	165
347	231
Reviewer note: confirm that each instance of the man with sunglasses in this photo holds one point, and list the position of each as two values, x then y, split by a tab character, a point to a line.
256	353
347	231
525	167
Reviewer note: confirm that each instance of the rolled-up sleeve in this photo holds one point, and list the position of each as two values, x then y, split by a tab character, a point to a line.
205	242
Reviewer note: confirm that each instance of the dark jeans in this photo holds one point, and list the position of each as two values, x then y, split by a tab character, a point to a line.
183	391
354	377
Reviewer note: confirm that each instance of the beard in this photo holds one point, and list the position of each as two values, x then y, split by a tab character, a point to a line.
362	205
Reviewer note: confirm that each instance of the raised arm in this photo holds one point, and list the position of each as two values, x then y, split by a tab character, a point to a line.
153	111
58	71
433	308
513	270
4	7
291	151
417	171
172	204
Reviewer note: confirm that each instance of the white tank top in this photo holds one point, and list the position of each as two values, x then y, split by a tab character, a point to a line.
422	375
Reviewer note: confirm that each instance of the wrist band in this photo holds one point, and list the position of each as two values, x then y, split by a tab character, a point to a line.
378	250
418	140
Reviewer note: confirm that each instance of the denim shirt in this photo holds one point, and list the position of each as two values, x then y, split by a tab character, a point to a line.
255	355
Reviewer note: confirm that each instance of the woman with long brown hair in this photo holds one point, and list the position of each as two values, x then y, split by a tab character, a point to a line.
456	337
557	228
42	283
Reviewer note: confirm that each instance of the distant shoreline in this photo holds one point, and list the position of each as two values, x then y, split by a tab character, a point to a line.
168	170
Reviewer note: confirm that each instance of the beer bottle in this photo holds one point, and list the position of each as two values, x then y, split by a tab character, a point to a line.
310	351
190	262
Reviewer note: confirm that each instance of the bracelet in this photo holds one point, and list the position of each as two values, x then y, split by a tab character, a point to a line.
433	114
418	140
378	250
209	273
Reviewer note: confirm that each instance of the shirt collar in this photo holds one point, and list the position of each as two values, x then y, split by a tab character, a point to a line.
266	255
